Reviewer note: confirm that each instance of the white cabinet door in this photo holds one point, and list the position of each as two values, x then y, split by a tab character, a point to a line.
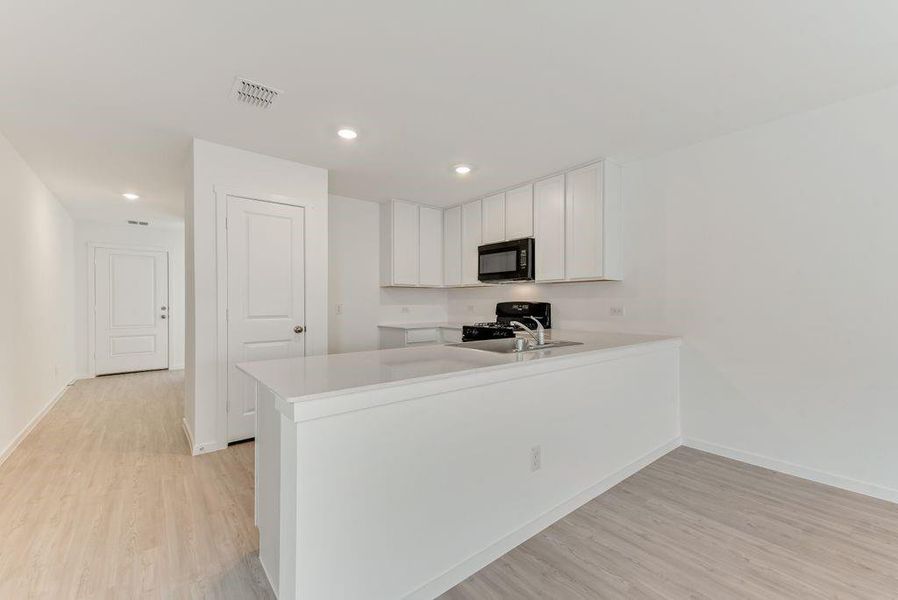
405	243
431	246
493	219
470	239
266	297
548	228
585	223
519	213
452	246
131	308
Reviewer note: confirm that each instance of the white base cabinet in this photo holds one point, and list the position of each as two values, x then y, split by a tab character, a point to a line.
399	336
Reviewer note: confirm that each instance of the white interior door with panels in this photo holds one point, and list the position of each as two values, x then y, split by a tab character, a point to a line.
265	296
131	310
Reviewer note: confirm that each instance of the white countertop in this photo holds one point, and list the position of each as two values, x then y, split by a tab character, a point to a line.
425	325
331	375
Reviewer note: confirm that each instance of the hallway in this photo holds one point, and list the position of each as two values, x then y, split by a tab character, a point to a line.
103	500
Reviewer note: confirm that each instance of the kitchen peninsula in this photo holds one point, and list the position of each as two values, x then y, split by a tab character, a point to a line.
397	473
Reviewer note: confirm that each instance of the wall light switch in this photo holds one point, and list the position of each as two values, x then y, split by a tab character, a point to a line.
339	309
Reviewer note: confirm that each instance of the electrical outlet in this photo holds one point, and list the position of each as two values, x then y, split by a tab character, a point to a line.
536	458
406	309
616	311
339	309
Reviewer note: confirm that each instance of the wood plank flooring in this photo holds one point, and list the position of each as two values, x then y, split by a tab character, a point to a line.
103	500
694	525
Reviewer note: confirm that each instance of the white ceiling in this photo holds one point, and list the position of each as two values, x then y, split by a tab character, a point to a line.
103	97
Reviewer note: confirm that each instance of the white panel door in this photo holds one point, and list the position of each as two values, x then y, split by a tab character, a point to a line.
519	213
452	246
405	243
548	228
493	219
470	240
430	239
131	310
266	297
583	257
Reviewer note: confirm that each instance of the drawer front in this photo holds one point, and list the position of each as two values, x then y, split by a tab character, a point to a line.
416	336
451	336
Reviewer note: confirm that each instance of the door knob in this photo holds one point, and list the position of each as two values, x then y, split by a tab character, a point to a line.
299	329
162	316
164	308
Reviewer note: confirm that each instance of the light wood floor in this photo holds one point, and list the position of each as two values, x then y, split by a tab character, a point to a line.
693	525
103	500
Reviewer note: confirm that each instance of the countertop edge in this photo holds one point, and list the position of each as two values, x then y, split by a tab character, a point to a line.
326	404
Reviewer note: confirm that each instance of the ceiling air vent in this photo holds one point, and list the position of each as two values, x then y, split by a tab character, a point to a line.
144	223
254	93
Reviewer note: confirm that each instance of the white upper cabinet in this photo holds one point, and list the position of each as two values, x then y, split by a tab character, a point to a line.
592	222
548	228
411	245
493	219
399	243
471	224
430	236
452	246
575	219
519	213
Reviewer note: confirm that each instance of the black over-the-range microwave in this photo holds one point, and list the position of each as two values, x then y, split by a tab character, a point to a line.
506	261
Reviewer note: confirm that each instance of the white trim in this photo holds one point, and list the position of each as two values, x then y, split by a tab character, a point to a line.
471	565
781	466
197	449
92	299
187	434
221	195
7	452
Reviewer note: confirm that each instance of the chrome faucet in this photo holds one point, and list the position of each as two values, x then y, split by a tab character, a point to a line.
539	336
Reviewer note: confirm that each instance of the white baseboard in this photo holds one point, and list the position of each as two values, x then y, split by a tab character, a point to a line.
468	567
196	449
33	423
839	481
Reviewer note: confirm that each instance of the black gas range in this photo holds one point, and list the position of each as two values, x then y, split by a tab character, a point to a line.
506	312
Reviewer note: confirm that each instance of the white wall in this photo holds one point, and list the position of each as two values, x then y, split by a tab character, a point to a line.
170	238
211	168
355	283
782	272
37	348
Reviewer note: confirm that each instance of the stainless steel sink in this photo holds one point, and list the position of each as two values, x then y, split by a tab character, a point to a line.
507	345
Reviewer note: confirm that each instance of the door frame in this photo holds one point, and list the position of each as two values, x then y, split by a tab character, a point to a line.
221	275
92	298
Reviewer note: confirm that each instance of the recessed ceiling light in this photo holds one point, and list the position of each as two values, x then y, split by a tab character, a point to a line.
462	169
130	196
348	134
